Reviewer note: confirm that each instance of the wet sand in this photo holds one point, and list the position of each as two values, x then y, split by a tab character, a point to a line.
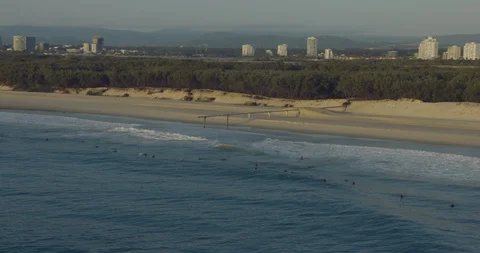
361	120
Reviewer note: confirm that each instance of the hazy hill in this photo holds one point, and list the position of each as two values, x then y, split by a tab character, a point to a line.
409	41
169	37
78	35
235	40
458	39
177	37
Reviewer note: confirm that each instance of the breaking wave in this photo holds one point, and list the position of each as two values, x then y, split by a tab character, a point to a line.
227	147
154	135
401	161
54	121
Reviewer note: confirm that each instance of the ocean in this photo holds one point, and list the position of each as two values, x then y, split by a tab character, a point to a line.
89	183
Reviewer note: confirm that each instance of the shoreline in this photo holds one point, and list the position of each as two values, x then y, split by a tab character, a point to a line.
356	123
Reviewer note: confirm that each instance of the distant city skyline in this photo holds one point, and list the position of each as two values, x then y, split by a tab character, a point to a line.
373	17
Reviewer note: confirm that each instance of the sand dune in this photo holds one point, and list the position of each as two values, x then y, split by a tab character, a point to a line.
409	120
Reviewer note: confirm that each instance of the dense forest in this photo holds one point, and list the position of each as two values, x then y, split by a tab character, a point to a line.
425	81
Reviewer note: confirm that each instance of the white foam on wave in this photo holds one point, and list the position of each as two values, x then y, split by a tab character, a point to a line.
402	161
228	147
54	121
154	135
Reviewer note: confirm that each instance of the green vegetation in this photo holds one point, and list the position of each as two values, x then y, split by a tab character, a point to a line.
306	80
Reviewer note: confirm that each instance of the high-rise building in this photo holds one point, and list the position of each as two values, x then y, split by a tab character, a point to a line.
30	43
454	53
392	54
86	48
19	43
471	51
95	48
43	47
248	51
98	41
312	44
445	55
282	50
428	49
328	54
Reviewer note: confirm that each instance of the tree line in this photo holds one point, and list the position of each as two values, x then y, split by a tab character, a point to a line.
426	81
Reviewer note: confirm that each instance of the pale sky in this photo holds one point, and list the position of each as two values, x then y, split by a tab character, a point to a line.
381	17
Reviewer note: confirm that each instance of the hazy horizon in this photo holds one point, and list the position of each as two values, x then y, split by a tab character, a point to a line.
368	17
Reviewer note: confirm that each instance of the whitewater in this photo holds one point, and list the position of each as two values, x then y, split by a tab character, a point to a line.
89	183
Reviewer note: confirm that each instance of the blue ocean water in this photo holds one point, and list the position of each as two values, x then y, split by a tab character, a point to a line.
84	183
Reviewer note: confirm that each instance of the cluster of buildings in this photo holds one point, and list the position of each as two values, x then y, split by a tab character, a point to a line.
95	47
428	50
25	44
282	50
29	44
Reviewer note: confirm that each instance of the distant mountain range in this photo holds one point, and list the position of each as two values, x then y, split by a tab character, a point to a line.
186	37
169	37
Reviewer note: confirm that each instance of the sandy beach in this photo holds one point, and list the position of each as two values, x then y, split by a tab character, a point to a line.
404	120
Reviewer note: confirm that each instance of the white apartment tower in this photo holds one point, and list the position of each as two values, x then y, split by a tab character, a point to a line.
87	48
19	43
248	51
312	44
282	50
428	49
328	54
454	53
97	42
471	51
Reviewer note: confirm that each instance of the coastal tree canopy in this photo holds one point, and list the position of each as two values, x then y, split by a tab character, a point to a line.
364	79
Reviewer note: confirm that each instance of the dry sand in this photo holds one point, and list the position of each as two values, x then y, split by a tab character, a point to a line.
407	120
